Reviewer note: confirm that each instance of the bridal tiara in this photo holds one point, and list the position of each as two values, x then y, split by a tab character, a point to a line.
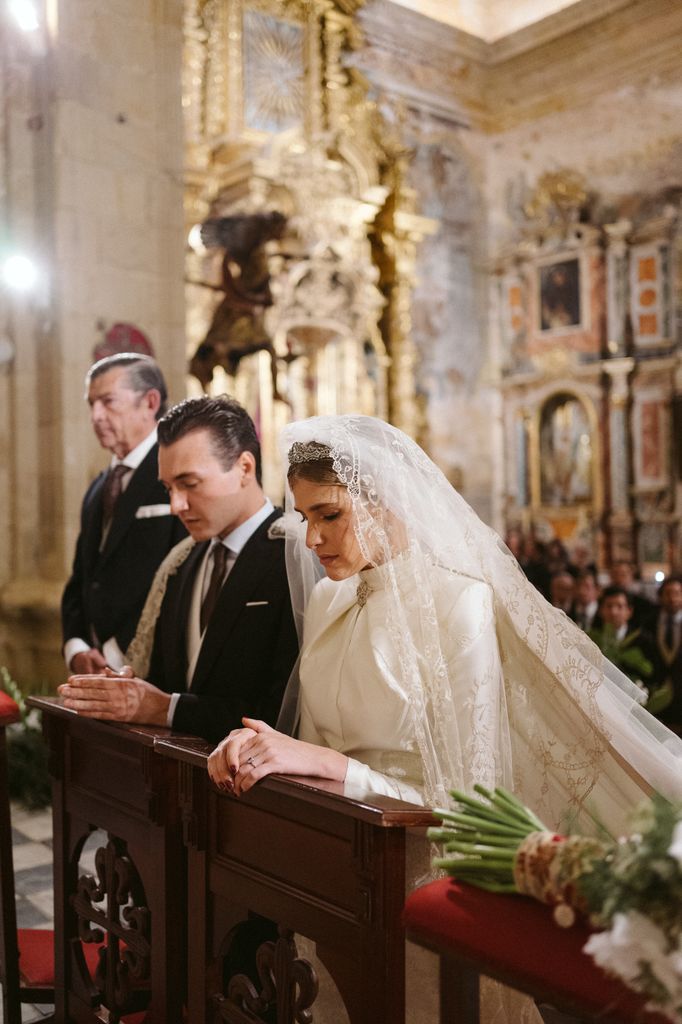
308	451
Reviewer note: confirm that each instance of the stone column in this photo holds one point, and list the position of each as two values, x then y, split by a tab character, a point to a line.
617	289
96	166
621	520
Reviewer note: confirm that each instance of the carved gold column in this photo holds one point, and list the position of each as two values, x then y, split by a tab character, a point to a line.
399	233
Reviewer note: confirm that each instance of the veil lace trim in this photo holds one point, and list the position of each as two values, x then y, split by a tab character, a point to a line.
564	722
139	652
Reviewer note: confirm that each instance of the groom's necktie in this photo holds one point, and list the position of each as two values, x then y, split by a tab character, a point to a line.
222	557
111	492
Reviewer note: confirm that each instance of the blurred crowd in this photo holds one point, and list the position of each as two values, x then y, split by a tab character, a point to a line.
640	632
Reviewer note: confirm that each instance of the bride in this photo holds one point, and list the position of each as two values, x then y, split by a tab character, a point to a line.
428	661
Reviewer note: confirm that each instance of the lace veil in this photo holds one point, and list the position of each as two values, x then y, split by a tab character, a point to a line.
569	732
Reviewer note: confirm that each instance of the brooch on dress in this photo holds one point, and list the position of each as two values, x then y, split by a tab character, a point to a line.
362	593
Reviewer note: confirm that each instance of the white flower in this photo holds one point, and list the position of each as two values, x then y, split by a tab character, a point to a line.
675	848
631	940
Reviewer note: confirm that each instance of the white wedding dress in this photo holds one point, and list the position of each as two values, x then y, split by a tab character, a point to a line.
442	666
352	696
352	700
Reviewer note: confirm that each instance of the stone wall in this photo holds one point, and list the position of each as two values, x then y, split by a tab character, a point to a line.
94	166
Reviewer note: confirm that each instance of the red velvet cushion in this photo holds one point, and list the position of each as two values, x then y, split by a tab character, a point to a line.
36	956
36	962
516	939
9	709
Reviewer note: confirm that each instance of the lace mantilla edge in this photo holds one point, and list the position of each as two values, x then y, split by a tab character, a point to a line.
139	653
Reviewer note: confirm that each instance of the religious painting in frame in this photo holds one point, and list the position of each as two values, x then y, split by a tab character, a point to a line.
560	305
567	300
650	429
566	454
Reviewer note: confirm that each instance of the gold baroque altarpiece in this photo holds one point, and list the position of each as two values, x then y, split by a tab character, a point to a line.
277	122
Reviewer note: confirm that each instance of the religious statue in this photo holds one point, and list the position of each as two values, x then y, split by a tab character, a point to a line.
238	328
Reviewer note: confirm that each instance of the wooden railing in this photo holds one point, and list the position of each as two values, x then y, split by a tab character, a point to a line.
182	864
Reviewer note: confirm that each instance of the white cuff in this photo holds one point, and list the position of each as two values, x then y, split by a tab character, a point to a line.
361	778
73	647
113	655
174	698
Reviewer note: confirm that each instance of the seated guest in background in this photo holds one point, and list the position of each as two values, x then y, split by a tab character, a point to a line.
556	557
581	559
643	611
218	619
126	525
626	645
585	607
668	641
561	590
533	564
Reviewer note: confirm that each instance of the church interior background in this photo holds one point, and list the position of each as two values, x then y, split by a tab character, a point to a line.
463	217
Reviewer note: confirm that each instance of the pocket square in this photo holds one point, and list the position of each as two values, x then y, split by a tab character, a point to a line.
255	604
152	511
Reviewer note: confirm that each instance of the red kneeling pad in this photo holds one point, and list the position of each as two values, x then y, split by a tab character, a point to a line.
36	956
9	710
516	939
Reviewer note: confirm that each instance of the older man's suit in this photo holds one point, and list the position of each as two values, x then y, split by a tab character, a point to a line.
107	588
249	647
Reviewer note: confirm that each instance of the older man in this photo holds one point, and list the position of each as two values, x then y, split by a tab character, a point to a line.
224	643
126	524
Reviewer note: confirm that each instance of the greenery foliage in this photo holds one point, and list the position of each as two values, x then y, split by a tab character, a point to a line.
29	781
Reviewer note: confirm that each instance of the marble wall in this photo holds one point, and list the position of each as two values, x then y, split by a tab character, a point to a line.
596	88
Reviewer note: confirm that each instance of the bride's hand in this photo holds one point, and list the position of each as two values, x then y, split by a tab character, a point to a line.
224	762
258	750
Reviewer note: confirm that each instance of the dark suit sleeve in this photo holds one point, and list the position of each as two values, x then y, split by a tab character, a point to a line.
212	716
74	618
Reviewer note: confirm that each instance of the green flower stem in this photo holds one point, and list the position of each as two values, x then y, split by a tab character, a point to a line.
488	811
465	863
489	884
473	839
480	809
480	824
524	814
494	853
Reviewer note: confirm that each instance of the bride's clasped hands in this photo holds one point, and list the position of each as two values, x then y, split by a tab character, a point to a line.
247	755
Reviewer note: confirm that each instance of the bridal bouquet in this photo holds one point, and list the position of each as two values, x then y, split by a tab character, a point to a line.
629	889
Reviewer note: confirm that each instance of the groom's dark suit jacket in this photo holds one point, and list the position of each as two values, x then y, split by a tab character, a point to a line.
249	647
108	588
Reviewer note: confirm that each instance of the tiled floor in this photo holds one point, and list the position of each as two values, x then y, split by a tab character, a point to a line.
32	851
32	847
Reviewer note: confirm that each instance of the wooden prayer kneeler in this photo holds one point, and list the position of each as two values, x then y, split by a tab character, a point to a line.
27	958
515	940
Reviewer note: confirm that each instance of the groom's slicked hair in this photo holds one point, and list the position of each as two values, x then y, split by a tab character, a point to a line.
231	429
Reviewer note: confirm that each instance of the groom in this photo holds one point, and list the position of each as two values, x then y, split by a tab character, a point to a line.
224	642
